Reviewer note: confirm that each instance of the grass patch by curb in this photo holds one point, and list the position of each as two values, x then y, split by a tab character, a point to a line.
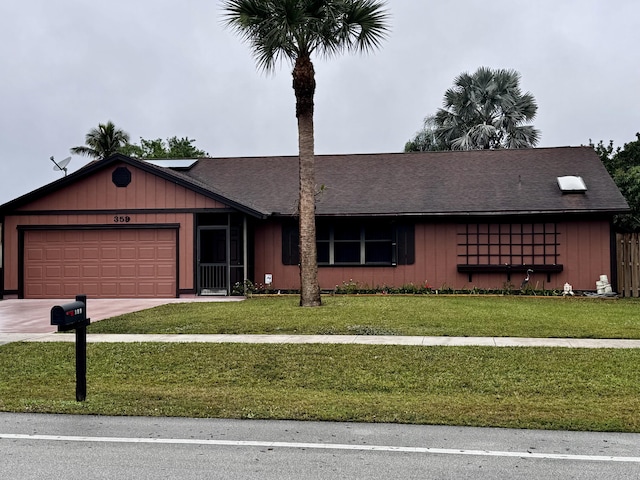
551	388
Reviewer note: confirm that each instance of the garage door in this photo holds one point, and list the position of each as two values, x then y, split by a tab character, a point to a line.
124	263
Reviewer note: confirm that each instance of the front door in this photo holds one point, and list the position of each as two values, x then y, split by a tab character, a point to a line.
213	261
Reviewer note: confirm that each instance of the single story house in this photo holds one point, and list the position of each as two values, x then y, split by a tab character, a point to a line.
122	227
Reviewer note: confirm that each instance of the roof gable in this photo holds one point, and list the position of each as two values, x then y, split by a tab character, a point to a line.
92	187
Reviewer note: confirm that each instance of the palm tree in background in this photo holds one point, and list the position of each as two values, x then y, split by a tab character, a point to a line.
293	30
102	142
486	110
426	139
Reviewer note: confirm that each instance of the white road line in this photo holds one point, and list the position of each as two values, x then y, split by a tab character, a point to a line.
322	446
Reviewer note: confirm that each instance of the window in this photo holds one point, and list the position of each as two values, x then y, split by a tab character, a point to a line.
381	243
349	243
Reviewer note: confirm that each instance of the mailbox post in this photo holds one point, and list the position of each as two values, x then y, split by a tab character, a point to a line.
73	316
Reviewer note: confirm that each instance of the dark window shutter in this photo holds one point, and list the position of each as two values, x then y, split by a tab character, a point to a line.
405	245
290	248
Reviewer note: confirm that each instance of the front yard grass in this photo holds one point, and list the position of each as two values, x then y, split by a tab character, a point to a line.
548	388
491	316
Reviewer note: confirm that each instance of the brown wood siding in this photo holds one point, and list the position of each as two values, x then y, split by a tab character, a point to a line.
268	258
583	250
146	191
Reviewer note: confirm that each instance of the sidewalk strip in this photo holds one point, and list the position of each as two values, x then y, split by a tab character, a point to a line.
329	339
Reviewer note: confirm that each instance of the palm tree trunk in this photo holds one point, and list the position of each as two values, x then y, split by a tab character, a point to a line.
304	86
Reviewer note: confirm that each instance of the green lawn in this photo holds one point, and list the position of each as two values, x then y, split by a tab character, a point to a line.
553	388
573	389
507	316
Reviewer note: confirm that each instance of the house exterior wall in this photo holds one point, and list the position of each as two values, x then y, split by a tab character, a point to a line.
147	201
583	248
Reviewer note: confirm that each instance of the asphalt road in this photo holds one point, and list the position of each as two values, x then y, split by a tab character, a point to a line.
69	447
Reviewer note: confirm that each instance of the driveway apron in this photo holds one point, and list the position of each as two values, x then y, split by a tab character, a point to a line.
34	316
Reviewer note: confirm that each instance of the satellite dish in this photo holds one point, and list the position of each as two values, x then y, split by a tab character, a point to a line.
61	165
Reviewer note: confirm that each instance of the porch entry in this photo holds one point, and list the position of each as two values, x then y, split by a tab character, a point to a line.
220	259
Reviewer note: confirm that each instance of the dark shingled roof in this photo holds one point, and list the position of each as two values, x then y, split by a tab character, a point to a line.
453	183
486	182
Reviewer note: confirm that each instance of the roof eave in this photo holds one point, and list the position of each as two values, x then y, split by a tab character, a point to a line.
479	213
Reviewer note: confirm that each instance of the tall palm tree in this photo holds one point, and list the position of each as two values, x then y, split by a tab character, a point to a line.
102	141
485	110
293	30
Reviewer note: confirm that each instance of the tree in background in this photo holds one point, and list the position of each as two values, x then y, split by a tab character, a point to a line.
426	140
623	164
293	30
483	110
174	147
102	142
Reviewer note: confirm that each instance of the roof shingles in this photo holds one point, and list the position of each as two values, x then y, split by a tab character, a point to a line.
429	183
487	182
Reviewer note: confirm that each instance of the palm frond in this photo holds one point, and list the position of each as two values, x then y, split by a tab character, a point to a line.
279	30
84	151
524	136
102	141
487	109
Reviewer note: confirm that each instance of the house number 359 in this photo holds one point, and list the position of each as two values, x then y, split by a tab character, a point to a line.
121	219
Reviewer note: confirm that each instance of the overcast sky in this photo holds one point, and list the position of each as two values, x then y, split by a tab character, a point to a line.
159	68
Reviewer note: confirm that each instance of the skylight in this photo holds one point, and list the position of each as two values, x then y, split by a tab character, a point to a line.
572	184
175	163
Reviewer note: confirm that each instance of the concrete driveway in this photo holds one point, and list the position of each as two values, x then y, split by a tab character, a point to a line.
33	316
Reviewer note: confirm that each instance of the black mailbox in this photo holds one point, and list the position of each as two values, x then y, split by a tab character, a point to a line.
69	314
73	316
